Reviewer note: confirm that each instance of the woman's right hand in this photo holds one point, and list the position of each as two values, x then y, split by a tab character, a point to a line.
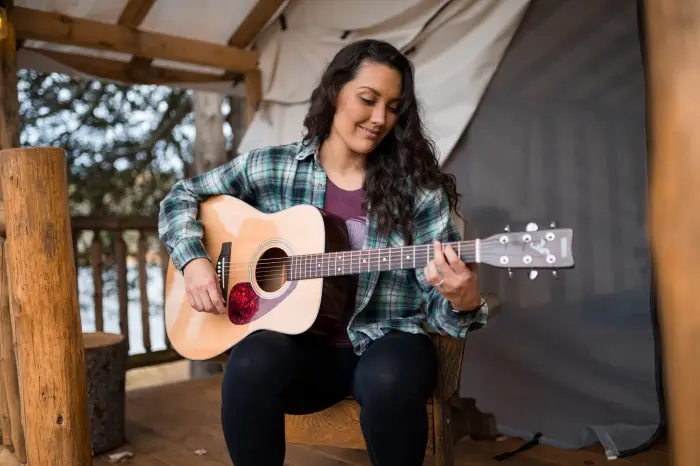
201	284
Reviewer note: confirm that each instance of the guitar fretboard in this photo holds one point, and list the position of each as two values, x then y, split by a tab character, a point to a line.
307	266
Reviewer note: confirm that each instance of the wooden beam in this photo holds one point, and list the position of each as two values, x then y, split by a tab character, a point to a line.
253	23
135	12
133	15
44	302
9	113
126	72
62	29
253	94
251	26
10	377
673	44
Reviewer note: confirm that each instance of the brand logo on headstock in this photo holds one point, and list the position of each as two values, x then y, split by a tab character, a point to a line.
540	247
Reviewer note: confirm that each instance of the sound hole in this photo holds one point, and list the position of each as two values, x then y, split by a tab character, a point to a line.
271	270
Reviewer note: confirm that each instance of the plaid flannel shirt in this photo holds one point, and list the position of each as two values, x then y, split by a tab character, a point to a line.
276	178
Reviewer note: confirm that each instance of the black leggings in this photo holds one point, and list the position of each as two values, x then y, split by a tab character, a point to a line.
270	374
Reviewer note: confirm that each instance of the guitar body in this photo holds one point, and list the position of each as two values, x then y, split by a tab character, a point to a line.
247	248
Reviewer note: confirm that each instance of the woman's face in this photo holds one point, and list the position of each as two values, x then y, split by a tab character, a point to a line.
367	106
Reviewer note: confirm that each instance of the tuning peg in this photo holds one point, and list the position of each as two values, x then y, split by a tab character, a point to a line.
554	274
533	274
510	272
507	228
531	227
553	225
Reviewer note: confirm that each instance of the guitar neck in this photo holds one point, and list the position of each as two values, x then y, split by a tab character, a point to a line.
331	264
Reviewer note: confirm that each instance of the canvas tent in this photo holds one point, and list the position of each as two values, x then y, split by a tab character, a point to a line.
522	97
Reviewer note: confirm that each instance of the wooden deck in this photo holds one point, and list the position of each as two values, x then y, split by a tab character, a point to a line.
177	424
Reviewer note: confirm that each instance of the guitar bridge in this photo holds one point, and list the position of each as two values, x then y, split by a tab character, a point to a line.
223	265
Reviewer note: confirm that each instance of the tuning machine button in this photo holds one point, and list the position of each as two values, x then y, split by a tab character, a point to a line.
533	274
531	227
510	273
554	274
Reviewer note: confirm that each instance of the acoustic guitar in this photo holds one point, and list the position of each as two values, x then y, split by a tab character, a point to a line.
278	271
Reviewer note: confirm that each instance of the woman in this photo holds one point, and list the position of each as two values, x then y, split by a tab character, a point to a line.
364	158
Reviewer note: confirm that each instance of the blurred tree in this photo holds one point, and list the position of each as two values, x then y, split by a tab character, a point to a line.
125	145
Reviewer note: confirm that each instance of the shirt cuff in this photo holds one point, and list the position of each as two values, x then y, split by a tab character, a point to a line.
466	320
186	251
481	305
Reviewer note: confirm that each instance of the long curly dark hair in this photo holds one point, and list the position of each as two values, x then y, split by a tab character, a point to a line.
406	158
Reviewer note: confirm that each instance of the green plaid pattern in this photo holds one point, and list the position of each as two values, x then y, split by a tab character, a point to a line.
276	178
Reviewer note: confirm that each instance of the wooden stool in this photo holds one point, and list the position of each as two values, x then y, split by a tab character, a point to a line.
105	360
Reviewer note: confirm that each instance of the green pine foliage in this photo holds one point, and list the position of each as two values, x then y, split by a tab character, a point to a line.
125	145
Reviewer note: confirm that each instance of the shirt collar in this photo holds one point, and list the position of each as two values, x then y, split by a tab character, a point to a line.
306	149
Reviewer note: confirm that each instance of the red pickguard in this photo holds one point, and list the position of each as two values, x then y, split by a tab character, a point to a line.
243	303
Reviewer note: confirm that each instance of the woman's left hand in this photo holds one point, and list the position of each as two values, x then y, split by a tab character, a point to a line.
455	280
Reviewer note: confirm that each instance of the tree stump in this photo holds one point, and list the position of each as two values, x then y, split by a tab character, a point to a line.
105	359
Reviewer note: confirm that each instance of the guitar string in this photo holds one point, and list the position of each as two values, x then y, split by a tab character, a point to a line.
291	273
304	274
306	261
299	267
466	246
393	252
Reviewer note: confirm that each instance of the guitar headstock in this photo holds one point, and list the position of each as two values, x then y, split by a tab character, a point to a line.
531	249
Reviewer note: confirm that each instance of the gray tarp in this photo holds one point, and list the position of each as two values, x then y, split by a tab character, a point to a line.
560	136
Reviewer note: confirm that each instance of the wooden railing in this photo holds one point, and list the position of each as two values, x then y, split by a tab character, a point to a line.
143	233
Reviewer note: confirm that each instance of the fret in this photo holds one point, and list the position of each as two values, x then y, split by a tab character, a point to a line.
307	266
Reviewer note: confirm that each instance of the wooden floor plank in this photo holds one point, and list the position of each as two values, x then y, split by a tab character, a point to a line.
167	423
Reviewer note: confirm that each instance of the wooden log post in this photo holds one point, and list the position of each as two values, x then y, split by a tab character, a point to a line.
44	301
10	378
673	40
9	103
